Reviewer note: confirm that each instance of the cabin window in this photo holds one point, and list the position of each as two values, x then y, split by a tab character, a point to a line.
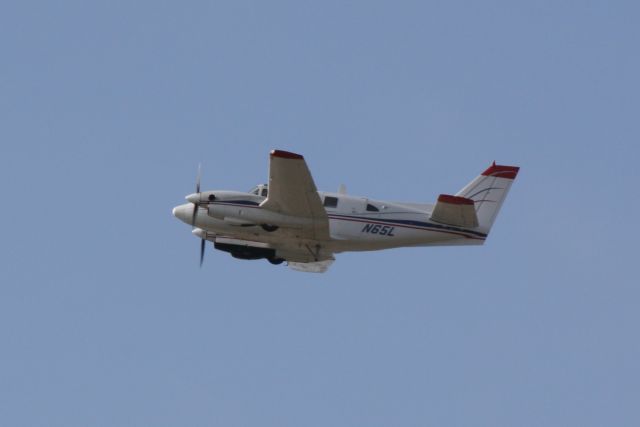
260	190
372	208
330	202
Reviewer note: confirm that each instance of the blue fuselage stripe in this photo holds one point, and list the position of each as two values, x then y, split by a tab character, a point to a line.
235	202
407	223
410	224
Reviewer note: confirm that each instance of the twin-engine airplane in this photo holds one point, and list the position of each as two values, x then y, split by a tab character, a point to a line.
290	220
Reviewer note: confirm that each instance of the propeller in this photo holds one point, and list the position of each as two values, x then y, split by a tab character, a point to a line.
195	199
196	205
202	244
198	232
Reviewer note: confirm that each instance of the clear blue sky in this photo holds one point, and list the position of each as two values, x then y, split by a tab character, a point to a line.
106	108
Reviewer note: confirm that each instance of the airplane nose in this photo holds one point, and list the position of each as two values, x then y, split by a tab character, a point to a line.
184	212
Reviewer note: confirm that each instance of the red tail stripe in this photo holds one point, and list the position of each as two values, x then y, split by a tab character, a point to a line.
500	171
455	200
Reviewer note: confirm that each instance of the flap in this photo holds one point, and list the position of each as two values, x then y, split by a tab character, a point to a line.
311	267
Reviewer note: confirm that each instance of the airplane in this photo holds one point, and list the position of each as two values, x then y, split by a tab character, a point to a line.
289	220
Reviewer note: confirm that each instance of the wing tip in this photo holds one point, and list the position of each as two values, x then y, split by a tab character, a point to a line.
500	171
285	154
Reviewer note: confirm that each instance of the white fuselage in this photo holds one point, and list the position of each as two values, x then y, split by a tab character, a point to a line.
355	223
290	220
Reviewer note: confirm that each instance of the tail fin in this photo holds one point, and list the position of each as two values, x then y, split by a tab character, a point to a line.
488	192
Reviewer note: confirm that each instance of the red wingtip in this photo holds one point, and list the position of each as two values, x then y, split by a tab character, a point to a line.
499	171
455	200
285	154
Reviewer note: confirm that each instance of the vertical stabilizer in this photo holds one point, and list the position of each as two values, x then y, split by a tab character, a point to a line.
488	192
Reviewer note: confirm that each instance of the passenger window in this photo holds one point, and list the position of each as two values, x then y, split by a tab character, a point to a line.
330	202
372	208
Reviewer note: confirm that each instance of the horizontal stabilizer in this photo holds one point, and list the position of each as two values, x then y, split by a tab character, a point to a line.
454	210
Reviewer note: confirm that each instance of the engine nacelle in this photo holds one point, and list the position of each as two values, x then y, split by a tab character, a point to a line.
203	234
205	197
244	213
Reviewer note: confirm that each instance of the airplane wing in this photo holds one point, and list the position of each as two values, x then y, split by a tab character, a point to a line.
292	192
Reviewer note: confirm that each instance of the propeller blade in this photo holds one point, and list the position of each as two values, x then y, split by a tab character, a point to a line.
196	204
202	243
195	213
198	177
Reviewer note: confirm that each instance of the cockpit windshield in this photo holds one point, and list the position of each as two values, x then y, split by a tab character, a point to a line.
260	190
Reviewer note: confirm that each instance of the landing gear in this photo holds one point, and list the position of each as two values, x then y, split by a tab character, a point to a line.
269	228
275	261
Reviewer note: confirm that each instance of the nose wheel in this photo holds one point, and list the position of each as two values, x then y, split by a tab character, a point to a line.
275	261
269	228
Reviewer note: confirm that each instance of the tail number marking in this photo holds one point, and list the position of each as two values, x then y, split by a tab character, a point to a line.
382	230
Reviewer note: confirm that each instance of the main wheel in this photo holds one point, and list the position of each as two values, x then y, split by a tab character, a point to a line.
269	228
275	261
